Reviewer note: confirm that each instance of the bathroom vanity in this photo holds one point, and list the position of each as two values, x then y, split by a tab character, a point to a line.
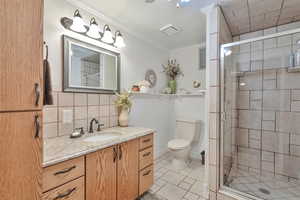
114	164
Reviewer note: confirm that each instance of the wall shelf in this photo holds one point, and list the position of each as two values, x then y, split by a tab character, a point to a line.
200	93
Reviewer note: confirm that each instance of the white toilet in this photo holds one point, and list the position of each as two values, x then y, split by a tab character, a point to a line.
186	132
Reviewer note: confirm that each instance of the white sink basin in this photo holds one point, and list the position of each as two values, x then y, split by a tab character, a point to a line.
102	137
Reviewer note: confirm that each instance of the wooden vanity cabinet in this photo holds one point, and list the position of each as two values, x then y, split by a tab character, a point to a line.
128	170
101	174
120	172
112	173
146	175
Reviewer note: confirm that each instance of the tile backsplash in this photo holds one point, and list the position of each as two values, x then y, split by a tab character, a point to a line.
75	110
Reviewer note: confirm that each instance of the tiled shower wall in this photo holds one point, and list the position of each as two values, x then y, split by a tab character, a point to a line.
217	33
268	136
82	108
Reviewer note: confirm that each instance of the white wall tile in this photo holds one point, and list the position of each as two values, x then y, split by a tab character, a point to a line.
275	142
288	122
276	100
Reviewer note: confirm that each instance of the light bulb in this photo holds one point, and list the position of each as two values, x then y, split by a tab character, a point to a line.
119	40
78	24
107	35
94	29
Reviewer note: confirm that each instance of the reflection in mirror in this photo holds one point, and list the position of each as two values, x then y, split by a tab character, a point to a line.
89	68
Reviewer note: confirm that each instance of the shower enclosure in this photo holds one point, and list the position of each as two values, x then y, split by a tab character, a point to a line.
260	120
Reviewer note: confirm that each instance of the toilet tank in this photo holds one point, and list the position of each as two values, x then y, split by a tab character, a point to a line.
187	129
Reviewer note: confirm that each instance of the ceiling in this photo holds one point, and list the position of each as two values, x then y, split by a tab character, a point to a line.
251	15
146	19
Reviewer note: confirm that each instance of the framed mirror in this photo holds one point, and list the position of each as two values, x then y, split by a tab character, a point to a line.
89	68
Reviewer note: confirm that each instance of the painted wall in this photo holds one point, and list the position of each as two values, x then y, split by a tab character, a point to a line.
191	107
137	57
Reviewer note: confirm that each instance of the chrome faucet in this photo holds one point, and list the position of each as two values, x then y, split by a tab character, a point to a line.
91	129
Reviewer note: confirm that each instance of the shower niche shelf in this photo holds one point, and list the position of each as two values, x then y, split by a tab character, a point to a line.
293	69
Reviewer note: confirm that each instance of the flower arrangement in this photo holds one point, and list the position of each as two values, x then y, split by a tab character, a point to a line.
123	100
172	69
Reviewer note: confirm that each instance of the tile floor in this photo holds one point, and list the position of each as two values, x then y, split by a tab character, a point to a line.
190	183
279	188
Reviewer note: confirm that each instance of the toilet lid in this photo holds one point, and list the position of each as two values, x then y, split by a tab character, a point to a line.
178	144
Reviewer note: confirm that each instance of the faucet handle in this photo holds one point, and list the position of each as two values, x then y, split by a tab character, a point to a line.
99	127
81	130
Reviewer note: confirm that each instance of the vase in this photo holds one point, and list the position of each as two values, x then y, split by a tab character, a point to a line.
173	85
123	117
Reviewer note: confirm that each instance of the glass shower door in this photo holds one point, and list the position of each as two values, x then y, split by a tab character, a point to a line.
260	121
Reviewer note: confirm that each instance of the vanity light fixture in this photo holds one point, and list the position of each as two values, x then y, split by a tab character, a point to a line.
119	40
78	24
94	29
107	35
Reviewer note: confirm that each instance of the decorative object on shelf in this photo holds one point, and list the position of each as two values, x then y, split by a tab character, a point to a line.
135	88
172	71
93	31
124	104
297	56
151	77
144	86
167	90
196	84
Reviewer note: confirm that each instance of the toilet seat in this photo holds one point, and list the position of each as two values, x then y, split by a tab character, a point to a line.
178	144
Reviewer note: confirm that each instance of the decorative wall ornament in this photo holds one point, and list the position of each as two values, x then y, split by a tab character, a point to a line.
151	77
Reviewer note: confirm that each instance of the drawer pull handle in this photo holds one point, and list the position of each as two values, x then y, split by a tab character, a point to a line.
37	94
37	126
64	171
146	154
147	140
115	154
147	173
120	152
68	193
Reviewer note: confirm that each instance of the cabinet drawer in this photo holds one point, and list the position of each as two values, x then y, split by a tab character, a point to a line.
73	190
146	157
61	173
146	179
146	141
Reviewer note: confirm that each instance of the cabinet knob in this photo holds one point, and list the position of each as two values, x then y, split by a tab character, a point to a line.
37	93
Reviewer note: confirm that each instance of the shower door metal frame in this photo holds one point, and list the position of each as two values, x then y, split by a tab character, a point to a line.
225	189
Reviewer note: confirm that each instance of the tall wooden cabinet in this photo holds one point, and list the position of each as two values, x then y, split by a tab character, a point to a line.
21	83
20	157
21	57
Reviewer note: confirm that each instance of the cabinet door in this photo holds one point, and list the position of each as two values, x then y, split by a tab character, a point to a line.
21	57
20	156
101	179
128	167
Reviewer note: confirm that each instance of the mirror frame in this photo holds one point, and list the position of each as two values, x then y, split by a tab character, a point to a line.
66	80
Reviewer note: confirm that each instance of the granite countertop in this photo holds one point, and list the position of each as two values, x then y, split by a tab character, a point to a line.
64	148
